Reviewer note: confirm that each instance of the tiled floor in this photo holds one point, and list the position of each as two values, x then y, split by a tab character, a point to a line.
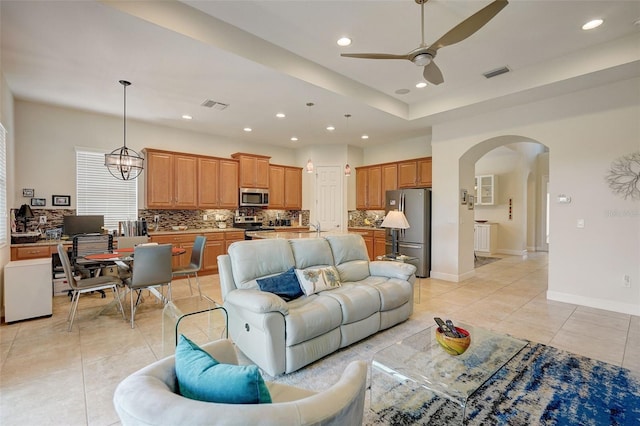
51	377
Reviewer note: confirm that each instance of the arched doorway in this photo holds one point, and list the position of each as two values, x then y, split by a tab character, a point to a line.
519	168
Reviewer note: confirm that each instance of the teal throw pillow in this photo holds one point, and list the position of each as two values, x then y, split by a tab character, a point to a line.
285	285
203	378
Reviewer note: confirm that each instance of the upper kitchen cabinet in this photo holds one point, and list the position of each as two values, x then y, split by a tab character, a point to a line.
217	183
254	170
369	188
171	180
389	180
285	187
486	190
415	173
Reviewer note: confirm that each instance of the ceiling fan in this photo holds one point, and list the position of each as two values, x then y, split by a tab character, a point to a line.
424	55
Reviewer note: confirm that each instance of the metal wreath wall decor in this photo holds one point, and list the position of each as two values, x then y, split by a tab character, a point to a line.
624	176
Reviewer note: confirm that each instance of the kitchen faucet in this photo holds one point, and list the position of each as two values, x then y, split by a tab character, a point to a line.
317	227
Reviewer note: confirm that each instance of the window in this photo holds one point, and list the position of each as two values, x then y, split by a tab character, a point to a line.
98	192
3	186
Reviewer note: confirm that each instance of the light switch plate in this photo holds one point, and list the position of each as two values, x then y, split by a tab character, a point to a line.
580	223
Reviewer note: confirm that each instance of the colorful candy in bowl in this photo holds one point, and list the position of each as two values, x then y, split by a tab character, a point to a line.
454	345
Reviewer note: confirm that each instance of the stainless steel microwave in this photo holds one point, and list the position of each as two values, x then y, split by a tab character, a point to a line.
254	197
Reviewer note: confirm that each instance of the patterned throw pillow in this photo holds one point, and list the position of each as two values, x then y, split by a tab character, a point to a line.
317	280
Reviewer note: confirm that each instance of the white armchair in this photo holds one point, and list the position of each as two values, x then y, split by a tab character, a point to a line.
148	397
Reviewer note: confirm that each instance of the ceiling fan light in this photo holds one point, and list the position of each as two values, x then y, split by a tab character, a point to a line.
422	59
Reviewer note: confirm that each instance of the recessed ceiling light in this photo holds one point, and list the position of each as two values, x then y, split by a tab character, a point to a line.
421	85
280	115
187	117
402	91
344	41
595	23
330	128
247	129
364	137
294	139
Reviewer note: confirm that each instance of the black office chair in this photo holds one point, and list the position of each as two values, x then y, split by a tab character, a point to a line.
85	244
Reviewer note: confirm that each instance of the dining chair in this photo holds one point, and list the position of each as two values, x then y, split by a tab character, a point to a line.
195	264
151	269
86	285
131	242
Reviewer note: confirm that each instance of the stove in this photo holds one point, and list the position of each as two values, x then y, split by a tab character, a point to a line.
250	224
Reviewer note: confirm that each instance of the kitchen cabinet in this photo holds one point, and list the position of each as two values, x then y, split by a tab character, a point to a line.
485	238
379	243
486	190
389	180
217	183
374	239
415	173
285	187
171	180
231	237
180	240
32	252
369	188
213	248
254	170
217	243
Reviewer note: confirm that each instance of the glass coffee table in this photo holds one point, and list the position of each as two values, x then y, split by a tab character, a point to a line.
416	374
193	316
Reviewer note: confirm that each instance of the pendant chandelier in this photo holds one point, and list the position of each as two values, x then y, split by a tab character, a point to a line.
124	163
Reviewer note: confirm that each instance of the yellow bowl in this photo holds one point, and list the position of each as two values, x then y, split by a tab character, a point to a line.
454	345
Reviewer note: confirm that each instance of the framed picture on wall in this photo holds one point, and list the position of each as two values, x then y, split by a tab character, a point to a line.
38	202
28	192
61	200
470	202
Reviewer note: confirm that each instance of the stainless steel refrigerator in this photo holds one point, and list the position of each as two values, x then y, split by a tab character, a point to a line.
414	241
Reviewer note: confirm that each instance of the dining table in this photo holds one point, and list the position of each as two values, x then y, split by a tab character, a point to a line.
123	258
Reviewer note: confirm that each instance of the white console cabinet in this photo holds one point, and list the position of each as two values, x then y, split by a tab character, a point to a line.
27	289
485	237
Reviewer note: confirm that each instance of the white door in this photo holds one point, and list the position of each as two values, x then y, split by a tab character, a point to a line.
329	197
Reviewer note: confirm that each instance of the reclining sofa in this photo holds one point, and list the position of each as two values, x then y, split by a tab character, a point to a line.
283	336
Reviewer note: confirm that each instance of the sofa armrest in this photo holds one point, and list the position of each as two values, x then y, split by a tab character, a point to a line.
383	268
257	301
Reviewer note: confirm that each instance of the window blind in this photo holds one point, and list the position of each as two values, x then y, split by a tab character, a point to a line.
98	192
3	186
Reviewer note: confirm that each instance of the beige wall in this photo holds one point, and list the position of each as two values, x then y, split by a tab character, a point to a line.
585	131
7	120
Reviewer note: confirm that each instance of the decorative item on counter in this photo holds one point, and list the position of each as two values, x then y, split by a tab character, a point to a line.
454	340
179	227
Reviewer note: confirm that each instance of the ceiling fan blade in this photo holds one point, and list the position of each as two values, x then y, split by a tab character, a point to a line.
470	25
433	74
374	56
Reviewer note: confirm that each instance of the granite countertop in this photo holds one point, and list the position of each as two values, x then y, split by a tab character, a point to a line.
193	231
293	235
365	227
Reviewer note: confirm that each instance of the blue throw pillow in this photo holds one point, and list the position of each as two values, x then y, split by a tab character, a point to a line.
203	378
285	285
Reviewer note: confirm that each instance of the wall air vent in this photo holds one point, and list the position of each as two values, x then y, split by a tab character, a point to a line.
208	103
496	72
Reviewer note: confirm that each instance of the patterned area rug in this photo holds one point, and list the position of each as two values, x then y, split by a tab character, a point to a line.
539	386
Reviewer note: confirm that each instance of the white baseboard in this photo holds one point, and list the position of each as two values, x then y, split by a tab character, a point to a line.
512	252
452	277
607	305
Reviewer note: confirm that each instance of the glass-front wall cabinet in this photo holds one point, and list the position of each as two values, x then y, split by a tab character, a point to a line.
485	190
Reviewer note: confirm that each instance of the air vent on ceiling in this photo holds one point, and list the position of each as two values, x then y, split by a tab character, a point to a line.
496	72
208	103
